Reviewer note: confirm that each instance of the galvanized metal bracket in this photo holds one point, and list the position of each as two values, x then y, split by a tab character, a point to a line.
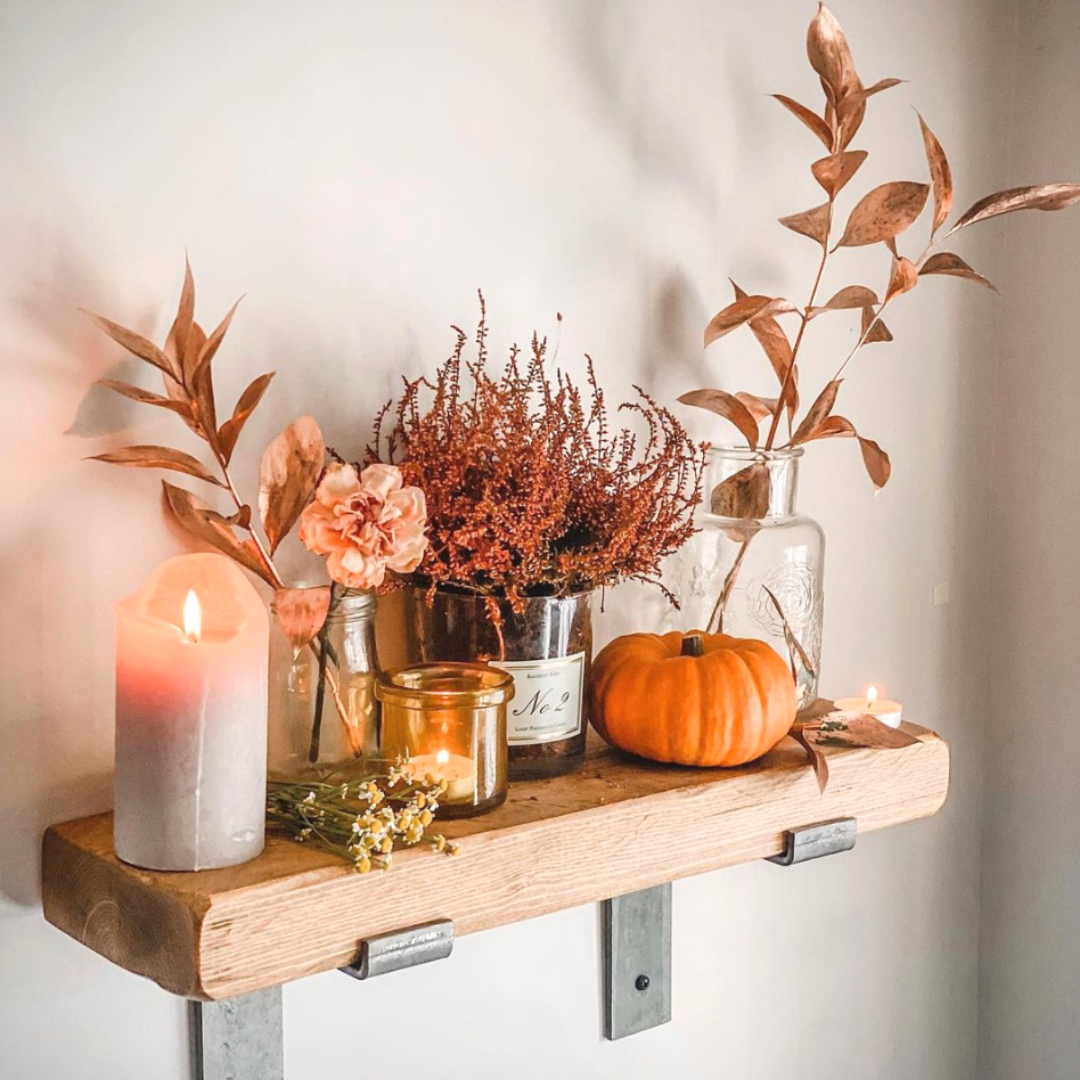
402	949
816	841
241	1038
636	932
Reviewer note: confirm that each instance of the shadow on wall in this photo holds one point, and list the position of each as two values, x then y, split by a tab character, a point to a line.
54	764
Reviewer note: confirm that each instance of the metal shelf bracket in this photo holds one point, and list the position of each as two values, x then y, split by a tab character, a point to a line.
816	841
401	949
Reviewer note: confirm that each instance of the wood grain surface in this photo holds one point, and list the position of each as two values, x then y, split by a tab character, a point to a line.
618	825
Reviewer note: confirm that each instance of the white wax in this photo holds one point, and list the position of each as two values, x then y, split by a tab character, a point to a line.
191	719
889	713
458	771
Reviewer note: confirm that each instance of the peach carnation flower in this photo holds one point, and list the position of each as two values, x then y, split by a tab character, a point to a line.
366	524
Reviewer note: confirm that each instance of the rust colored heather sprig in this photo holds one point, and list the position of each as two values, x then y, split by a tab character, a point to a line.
529	491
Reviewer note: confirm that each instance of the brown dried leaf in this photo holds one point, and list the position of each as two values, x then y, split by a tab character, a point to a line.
744	494
851	296
159	457
945	262
876	461
301	613
881	84
940	175
290	469
817	412
206	524
793	643
850	113
1041	197
903	277
135	344
774	341
833	172
137	393
833	427
812	223
729	407
884	213
211	345
878	331
249	399
810	118
818	761
829	53
742	311
862	730
176	342
759	407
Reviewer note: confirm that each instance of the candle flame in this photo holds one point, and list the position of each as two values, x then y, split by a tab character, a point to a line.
442	757
192	617
871	694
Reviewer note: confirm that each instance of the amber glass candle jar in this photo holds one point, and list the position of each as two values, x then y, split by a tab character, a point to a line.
450	721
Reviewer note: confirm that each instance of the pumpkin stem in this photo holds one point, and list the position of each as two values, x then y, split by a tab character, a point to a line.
693	645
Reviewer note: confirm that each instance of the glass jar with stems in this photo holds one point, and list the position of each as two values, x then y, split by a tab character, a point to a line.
755	569
324	716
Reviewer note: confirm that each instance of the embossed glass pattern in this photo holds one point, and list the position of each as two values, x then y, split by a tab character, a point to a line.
727	576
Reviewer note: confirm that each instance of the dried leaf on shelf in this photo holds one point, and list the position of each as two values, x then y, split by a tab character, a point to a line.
844	729
833	172
1039	197
290	469
940	175
209	526
903	277
851	296
817	412
728	406
810	118
135	344
884	212
945	262
301	613
744	494
159	457
813	223
137	393
818	762
245	406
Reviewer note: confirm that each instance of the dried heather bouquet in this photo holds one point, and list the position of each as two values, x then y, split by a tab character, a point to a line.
530	492
879	217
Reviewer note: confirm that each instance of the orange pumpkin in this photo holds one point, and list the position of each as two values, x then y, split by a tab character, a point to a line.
698	699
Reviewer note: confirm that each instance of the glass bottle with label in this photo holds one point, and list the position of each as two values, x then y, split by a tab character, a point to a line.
547	647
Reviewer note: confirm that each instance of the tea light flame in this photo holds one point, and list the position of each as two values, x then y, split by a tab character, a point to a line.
871	694
442	757
192	617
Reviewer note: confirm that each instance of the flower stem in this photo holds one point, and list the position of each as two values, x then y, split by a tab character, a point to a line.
320	693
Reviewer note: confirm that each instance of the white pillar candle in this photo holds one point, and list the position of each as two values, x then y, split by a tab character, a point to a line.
888	712
191	709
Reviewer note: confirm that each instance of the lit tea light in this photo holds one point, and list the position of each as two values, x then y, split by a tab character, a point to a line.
458	771
888	712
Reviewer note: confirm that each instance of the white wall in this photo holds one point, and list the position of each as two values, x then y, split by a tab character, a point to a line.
1030	986
358	169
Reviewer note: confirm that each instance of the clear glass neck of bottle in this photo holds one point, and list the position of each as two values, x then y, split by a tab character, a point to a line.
723	462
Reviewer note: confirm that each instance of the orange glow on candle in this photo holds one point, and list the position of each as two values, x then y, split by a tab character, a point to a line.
192	617
442	757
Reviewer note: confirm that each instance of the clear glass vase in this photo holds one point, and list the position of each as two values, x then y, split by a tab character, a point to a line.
755	569
313	731
547	647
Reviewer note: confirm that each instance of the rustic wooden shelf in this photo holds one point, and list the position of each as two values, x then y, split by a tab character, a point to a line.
618	826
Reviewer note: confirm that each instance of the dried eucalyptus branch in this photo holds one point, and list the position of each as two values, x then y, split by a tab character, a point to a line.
879	217
289	470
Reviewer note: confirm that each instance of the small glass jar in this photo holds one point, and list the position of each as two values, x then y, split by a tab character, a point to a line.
449	720
314	731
